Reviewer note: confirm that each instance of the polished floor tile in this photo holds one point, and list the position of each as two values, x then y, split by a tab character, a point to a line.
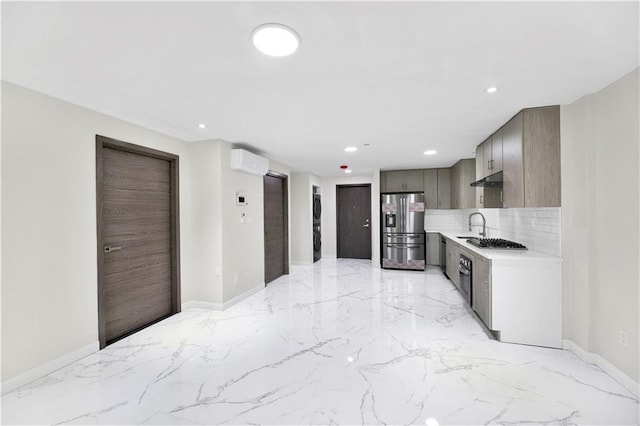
337	342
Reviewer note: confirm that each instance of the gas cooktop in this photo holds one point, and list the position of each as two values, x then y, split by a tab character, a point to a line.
495	243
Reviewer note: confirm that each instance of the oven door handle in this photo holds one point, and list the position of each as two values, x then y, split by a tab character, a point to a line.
402	246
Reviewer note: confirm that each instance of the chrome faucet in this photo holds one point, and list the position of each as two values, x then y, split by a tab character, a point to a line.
484	223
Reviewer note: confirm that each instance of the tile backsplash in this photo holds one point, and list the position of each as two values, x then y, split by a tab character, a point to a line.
458	221
536	228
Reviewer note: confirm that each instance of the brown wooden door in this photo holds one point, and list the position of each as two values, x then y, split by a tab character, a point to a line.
275	228
137	238
353	208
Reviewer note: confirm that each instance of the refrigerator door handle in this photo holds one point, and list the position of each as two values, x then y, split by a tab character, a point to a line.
402	246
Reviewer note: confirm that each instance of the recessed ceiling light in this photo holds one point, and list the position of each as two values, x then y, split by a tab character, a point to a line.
430	152
351	149
492	89
275	39
202	126
348	171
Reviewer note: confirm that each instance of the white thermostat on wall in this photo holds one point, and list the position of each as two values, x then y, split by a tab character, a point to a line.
240	199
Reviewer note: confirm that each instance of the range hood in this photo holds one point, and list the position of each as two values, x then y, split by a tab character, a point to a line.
491	181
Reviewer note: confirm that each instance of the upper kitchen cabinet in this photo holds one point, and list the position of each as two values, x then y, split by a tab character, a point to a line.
541	154
431	188
444	188
463	195
402	181
496	152
531	147
437	188
529	157
489	154
513	176
485	148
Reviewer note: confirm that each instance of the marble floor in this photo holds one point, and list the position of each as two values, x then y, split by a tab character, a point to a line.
337	342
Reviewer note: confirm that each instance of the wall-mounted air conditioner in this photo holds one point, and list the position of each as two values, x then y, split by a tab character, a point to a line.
245	161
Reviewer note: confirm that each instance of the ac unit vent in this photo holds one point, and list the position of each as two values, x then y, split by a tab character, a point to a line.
247	162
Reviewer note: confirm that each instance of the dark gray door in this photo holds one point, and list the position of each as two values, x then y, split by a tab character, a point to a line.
137	238
353	207
275	228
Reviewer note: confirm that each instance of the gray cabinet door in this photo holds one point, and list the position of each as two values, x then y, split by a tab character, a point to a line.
444	188
467	176
513	165
481	290
455	185
414	180
403	181
395	181
383	182
433	248
496	152
431	188
541	154
486	149
453	258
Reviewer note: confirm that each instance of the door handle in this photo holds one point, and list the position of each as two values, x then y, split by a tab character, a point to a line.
366	225
109	249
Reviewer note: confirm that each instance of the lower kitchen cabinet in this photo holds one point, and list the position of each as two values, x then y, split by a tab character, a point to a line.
481	290
433	248
517	295
453	258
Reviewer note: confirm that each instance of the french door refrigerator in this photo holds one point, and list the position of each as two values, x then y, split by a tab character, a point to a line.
403	234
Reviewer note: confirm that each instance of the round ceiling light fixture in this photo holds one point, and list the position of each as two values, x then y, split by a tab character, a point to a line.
430	152
351	149
275	39
348	171
492	89
202	126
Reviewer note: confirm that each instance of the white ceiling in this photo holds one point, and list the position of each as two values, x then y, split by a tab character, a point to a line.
402	77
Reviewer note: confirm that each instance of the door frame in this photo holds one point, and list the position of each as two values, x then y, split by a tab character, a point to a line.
106	142
338	217
285	208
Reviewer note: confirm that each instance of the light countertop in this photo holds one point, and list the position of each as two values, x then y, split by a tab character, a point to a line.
497	254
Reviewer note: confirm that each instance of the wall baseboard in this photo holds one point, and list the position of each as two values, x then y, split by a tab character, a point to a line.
196	304
213	306
48	367
613	371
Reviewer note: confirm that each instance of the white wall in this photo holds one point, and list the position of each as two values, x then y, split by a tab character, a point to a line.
49	303
302	216
226	257
203	257
49	275
600	229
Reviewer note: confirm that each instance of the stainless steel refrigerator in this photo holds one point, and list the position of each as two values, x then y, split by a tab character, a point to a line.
403	231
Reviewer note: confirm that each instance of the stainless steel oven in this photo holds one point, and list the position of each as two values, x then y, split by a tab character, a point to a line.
465	268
